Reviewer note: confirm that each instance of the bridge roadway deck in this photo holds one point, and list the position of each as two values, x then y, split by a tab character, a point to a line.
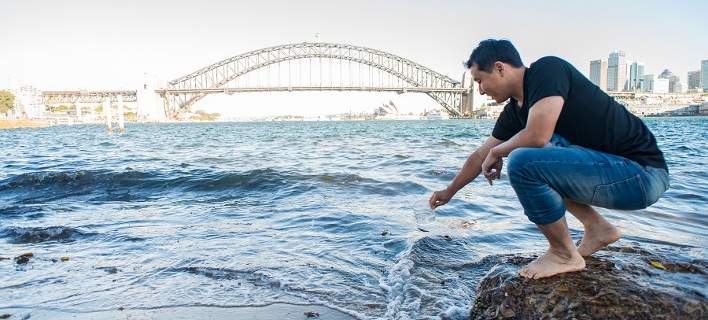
309	88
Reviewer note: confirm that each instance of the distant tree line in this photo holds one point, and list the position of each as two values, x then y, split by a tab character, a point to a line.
201	115
7	101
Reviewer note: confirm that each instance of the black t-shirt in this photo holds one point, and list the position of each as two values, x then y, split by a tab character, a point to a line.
589	118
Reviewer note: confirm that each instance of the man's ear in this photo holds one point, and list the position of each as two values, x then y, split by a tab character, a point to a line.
499	67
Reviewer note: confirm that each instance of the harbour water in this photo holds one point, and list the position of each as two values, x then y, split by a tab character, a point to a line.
248	214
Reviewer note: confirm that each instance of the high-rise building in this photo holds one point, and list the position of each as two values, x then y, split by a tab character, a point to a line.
674	81
636	76
694	80
704	75
616	71
595	70
648	83
598	73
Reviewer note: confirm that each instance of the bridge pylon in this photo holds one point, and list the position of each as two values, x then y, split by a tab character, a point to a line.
151	106
467	98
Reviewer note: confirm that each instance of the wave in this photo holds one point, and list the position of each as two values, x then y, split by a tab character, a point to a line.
132	185
252	180
21	235
448	143
21	210
75	179
430	267
370	186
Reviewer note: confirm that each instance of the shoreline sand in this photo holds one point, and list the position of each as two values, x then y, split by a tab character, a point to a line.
275	311
14	124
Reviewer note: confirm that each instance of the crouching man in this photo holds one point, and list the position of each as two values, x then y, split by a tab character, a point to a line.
569	145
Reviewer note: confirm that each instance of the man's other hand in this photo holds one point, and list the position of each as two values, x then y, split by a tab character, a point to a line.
492	166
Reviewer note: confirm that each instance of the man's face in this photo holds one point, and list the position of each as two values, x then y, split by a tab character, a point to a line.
492	83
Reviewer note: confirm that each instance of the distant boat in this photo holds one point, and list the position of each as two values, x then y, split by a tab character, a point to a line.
437	115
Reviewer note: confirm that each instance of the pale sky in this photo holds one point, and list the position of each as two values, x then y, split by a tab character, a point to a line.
95	44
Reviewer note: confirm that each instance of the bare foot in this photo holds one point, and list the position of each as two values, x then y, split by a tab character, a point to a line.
550	264
598	235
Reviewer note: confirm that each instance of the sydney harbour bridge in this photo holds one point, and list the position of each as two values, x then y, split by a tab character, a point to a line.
292	67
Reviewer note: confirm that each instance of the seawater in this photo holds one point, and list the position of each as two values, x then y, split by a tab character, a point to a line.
245	214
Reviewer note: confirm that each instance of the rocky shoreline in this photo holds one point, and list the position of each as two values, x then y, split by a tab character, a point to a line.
619	283
13	124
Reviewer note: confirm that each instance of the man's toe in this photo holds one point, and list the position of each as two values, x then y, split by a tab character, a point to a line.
524	271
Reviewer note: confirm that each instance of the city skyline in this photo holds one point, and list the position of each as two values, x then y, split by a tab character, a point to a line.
100	45
618	73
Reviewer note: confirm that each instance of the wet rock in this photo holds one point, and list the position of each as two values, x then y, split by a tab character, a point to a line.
466	224
614	285
110	270
311	314
24	258
5	316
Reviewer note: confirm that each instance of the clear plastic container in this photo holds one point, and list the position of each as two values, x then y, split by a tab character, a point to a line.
425	218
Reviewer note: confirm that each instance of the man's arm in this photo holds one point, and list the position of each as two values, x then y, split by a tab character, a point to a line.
539	127
473	166
539	130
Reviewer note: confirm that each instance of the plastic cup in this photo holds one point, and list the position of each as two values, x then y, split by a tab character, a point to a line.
425	219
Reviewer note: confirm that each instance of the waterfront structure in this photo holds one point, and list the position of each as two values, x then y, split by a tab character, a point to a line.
636	76
150	107
598	73
28	103
704	75
694	80
616	72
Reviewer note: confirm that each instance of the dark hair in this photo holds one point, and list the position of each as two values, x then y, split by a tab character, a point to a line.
490	51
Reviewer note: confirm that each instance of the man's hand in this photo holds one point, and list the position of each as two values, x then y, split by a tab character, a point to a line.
439	198
492	166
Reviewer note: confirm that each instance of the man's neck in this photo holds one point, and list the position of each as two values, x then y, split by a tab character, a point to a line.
518	92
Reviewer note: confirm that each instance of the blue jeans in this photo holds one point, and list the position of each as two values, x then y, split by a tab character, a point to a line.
543	177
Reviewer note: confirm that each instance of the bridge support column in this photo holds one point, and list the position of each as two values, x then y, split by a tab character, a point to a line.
466	102
108	113
121	120
467	99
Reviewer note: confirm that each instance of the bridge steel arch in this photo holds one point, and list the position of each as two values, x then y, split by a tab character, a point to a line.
183	92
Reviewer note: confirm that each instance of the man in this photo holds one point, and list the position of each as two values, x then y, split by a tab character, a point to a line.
570	146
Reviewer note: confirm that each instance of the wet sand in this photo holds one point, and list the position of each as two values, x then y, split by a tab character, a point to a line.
277	311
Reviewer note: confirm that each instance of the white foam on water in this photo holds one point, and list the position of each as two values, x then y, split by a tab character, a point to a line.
401	304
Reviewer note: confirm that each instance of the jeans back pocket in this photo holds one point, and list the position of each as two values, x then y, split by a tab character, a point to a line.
626	194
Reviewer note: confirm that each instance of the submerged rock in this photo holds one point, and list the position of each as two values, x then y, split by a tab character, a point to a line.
621	284
24	258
